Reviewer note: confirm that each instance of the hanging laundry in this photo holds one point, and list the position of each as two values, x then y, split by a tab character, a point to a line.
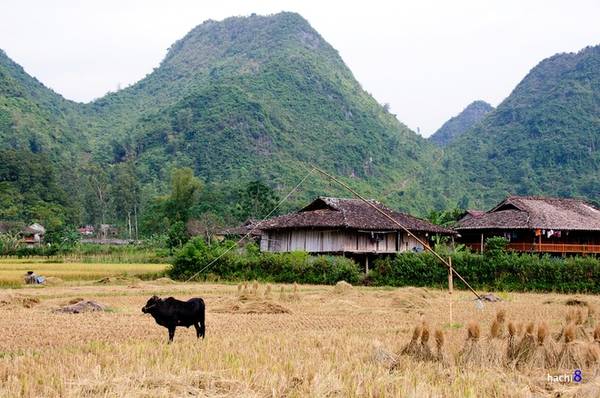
550	233
538	232
557	234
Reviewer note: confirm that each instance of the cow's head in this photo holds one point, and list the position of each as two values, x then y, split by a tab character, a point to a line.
151	304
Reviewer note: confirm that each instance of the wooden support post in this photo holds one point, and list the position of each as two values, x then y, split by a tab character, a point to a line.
366	264
450	288
481	243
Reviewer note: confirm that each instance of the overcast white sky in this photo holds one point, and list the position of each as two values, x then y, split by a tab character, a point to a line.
427	59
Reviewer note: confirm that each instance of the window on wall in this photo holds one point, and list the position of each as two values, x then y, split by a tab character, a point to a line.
377	236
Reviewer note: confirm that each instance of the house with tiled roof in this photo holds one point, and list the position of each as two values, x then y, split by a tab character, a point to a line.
346	226
536	224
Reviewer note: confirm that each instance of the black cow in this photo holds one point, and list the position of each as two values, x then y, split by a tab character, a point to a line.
171	313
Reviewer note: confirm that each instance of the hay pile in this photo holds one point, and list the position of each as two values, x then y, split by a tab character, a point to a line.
382	356
163	281
412	298
81	307
117	280
16	299
250	300
258	306
342	287
54	281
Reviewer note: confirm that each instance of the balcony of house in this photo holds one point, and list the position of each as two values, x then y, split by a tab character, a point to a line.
557	248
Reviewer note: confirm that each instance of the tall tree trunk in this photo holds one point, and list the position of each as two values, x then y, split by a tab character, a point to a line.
129	223
136	221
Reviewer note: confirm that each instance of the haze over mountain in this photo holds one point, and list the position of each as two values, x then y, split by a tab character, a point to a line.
262	98
460	123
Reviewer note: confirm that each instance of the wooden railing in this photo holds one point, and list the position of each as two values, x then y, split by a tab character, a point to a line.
546	247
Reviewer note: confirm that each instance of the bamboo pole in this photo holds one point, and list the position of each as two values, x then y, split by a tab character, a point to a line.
450	289
426	246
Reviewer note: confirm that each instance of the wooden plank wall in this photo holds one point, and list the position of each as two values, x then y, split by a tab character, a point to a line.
321	241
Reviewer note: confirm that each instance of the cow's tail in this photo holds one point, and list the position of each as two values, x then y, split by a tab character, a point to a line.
202	316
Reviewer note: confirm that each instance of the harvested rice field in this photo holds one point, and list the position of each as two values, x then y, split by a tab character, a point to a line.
12	271
304	341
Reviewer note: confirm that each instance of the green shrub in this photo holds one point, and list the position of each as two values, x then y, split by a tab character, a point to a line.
197	256
495	270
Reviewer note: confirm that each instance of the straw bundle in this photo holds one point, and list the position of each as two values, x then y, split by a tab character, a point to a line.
424	352
494	347
412	348
526	346
570	356
511	346
440	356
544	352
471	352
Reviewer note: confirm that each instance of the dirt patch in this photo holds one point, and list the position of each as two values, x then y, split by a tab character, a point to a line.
81	307
250	307
18	300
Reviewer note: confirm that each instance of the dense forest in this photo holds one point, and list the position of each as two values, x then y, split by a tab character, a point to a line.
232	117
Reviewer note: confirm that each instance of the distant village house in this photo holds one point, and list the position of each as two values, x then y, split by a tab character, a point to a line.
33	235
87	230
536	224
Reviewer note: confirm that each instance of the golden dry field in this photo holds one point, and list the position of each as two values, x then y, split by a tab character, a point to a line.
13	270
317	341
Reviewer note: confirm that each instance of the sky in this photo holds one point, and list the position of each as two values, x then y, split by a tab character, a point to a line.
427	59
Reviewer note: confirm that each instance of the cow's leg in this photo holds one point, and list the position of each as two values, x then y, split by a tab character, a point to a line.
198	330
201	323
171	333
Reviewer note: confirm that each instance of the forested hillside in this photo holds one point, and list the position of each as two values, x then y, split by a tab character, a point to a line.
245	100
231	118
543	139
460	123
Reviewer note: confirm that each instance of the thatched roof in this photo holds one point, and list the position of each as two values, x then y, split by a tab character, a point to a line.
533	212
326	212
243	229
34	229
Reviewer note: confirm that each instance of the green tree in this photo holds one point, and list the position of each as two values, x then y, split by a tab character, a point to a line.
165	211
185	188
256	201
126	196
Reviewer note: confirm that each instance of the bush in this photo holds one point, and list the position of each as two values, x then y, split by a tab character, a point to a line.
495	270
249	263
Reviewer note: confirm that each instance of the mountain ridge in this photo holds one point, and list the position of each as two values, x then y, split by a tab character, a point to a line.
264	97
457	125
